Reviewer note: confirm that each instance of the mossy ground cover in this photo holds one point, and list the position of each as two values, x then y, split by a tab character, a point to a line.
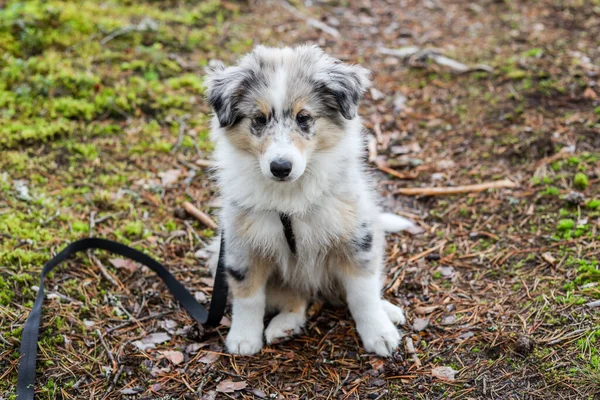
103	131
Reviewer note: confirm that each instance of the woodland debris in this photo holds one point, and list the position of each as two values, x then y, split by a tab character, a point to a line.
417	56
441	191
311	21
420	324
176	357
199	215
524	345
230	386
549	258
574	198
444	373
593	304
410	349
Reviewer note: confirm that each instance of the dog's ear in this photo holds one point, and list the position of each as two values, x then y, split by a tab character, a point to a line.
346	84
223	92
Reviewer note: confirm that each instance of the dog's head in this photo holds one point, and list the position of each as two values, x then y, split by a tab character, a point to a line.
283	104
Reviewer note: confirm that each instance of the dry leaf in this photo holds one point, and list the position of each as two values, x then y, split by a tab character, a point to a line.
230	386
209	358
443	373
169	177
425	310
420	324
151	340
121	263
176	357
590	94
132	391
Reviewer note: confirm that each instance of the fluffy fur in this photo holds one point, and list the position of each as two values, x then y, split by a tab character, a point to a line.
298	106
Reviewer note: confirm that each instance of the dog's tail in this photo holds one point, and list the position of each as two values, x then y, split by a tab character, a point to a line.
395	223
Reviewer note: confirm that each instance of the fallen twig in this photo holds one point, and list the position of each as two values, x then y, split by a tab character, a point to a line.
146	24
108	352
182	128
204	163
135	321
311	21
410	349
440	191
399	175
199	215
593	304
414	55
104	272
567	336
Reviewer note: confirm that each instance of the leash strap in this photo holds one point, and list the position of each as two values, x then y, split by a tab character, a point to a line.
28	350
286	221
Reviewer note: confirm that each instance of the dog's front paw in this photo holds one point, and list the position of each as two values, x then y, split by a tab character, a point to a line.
283	325
243	343
394	312
380	336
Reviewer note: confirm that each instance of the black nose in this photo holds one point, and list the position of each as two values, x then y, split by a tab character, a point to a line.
281	168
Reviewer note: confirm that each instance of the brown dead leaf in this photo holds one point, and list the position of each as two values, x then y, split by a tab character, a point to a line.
425	310
176	357
444	373
121	263
169	177
590	94
209	358
230	386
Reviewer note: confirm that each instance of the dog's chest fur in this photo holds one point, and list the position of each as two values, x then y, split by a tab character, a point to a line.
324	238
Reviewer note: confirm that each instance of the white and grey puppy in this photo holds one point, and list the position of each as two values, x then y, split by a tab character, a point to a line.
288	140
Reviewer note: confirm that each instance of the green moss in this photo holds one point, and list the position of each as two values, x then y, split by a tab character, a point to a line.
6	294
565	224
581	181
80	227
552	191
134	228
593	204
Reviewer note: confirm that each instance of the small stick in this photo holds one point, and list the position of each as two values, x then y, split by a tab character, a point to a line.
114	382
397	174
182	128
199	215
135	321
440	191
311	21
110	355
567	336
410	349
104	271
204	163
593	304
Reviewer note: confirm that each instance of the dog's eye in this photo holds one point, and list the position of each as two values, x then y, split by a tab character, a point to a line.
302	119
260	120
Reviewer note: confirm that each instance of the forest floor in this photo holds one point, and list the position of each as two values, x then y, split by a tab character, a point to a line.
103	131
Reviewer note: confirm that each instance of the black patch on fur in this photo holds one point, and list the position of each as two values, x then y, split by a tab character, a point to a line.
226	106
365	243
235	274
342	92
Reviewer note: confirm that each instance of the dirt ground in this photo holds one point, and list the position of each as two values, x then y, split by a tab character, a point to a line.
103	131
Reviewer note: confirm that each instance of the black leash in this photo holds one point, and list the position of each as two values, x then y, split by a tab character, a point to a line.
28	351
286	221
29	338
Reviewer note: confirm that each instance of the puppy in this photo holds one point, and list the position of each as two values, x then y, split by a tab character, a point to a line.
288	141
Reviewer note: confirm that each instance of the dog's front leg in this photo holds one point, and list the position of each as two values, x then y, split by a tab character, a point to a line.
248	288
363	293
